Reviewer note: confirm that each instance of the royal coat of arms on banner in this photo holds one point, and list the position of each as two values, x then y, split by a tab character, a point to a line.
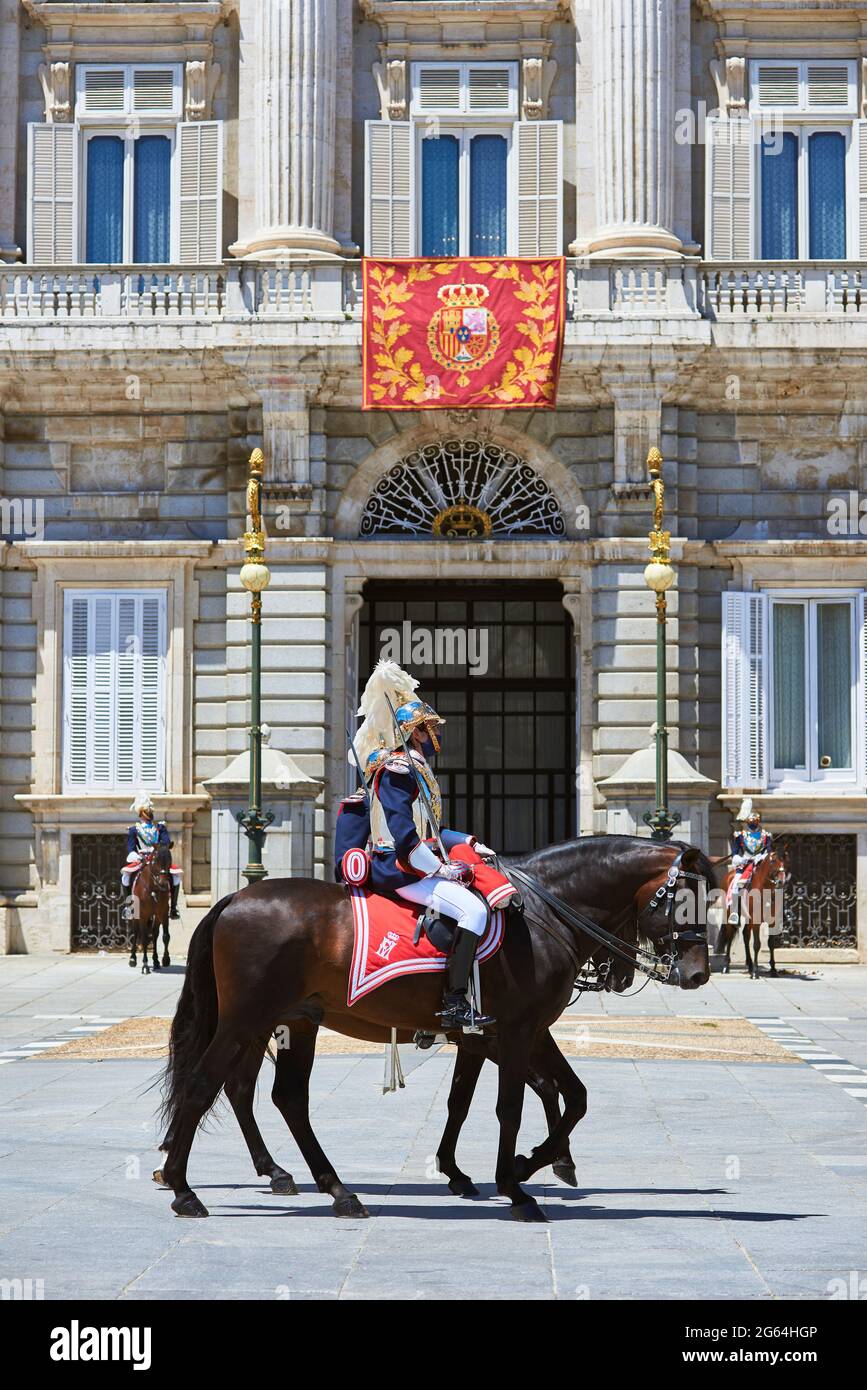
462	333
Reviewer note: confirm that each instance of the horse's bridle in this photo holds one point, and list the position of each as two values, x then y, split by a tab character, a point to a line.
161	878
659	965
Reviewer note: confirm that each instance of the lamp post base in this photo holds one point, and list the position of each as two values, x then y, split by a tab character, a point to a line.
661	822
254	825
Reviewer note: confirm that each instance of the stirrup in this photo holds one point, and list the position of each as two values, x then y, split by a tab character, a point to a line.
458	1013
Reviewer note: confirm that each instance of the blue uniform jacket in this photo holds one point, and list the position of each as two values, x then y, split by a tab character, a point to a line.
132	846
396	792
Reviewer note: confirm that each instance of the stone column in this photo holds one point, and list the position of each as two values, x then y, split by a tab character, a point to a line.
293	72
634	51
10	55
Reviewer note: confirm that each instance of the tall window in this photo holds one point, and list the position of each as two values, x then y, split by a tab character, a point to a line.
464	194
128	199
814	687
114	690
803	195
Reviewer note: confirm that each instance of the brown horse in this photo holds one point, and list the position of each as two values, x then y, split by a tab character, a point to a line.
279	953
756	904
152	893
615	973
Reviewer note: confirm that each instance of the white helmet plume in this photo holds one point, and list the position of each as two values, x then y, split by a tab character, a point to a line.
387	679
746	809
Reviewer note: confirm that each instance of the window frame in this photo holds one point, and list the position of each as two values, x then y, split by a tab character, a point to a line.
789	778
416	112
803	129
83	116
803	108
130	138
71	593
466	131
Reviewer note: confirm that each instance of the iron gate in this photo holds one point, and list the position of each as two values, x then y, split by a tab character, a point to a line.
820	904
96	893
507	770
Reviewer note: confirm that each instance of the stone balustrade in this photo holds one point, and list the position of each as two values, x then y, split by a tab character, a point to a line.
322	291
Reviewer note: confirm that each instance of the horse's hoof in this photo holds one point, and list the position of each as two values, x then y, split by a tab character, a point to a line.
167	960
566	1173
156	965
725	970
133	964
463	1187
349	1206
284	1183
189	1205
530	1212
159	1179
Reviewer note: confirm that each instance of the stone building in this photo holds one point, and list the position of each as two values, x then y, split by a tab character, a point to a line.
185	190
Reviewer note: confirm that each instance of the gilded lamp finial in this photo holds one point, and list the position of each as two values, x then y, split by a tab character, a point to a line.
659	574
255	575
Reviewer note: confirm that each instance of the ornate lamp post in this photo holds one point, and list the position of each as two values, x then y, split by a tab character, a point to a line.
255	577
659	576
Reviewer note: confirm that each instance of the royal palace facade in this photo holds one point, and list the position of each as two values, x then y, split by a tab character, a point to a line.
185	193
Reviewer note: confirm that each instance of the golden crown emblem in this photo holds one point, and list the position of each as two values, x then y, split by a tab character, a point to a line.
462	296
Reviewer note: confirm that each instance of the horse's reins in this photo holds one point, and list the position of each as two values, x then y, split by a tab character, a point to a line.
649	964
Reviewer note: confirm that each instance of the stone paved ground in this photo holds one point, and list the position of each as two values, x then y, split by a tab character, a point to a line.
699	1180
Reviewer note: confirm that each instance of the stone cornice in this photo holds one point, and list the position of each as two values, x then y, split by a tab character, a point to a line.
92	32
451	24
780	26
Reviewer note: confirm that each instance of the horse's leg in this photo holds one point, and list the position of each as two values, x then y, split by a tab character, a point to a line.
205	1085
167	960
771	949
747	952
548	1093
574	1093
291	1095
757	946
154	936
514	1048
468	1066
240	1089
133	936
728	937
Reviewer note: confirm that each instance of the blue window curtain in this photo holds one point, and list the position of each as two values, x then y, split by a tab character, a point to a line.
440	159
827	175
105	156
834	672
790	675
152	200
779	166
488	195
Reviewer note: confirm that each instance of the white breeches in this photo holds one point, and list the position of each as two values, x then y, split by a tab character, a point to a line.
451	899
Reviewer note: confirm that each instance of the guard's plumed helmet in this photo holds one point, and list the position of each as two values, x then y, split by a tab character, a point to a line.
142	802
413	714
388	696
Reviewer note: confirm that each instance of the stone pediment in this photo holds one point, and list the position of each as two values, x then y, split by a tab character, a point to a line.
440	28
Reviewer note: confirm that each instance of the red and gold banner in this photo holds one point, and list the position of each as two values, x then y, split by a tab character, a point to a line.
462	334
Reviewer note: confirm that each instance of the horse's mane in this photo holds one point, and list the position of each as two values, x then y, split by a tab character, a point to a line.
611	847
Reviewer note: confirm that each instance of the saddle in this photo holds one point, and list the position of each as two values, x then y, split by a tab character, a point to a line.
440	931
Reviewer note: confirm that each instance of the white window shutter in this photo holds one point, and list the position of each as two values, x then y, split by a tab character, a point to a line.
154	90
779	86
114	690
489	88
51	194
729	216
828	86
744	696
439	89
540	187
861	140
103	91
389	183
200	198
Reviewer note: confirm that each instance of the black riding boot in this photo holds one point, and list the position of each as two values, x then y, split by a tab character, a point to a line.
456	1012
173	911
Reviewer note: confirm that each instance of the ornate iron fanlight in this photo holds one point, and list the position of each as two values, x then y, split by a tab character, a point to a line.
462	489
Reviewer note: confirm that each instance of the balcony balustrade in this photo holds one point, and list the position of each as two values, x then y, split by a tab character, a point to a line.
330	291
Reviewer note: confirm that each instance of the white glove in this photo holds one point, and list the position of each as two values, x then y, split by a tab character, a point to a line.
424	860
454	871
484	850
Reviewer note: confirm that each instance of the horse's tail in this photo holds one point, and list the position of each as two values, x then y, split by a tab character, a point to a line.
195	1020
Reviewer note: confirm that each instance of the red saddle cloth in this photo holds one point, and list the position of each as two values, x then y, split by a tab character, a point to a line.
385	927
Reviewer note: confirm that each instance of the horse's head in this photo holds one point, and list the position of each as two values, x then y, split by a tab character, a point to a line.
159	864
671	911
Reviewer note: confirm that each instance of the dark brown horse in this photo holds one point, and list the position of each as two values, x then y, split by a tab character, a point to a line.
152	892
279	953
615	973
757	904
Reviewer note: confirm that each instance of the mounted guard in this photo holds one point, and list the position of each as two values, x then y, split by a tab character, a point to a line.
396	812
750	845
143	837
